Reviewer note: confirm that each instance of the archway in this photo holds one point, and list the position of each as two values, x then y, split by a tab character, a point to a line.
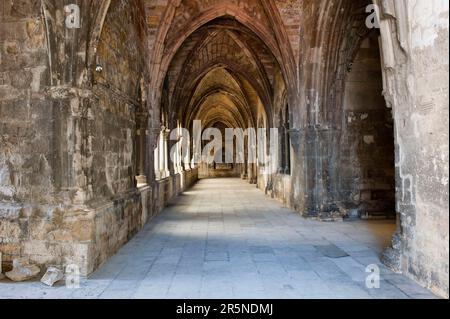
230	79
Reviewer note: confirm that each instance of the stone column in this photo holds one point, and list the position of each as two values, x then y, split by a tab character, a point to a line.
165	154
1	271
161	156
156	163
152	152
73	136
142	138
180	159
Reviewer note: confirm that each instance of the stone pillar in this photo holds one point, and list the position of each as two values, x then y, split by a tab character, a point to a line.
244	166
180	156
73	136
152	152
156	163
1	271
172	157
161	156
165	172
142	143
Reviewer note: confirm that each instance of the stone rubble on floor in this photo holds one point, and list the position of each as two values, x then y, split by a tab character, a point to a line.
52	276
23	271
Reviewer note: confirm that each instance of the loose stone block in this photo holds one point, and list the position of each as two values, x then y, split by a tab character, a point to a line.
52	276
22	271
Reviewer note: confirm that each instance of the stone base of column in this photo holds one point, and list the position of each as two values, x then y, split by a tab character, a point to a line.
141	180
165	174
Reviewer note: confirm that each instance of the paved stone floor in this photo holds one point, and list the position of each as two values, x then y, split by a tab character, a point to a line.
226	239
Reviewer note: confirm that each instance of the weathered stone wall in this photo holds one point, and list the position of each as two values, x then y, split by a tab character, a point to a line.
221	171
26	117
281	189
121	55
366	167
278	184
26	129
422	154
68	151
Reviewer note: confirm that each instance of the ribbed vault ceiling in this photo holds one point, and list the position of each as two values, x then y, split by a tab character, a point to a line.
222	73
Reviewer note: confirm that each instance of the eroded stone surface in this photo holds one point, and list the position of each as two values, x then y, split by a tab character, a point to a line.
1	270
52	276
22	271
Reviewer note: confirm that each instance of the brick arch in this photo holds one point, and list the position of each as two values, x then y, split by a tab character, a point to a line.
218	120
332	30
340	35
93	16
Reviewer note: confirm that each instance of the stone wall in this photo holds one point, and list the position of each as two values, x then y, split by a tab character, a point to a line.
366	167
170	187
277	186
26	116
68	191
121	55
87	237
26	129
422	156
221	171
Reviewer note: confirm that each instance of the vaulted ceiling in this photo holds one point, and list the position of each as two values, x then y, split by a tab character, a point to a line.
221	72
218	61
266	46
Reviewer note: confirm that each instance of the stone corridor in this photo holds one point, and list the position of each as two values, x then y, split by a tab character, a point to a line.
323	111
223	238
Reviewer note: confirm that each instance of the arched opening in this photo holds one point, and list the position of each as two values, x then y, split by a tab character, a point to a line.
367	160
229	79
366	167
349	166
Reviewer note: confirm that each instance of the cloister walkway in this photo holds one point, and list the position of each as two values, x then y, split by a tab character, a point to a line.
226	239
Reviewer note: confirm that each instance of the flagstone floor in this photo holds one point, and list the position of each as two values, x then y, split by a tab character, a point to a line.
226	239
